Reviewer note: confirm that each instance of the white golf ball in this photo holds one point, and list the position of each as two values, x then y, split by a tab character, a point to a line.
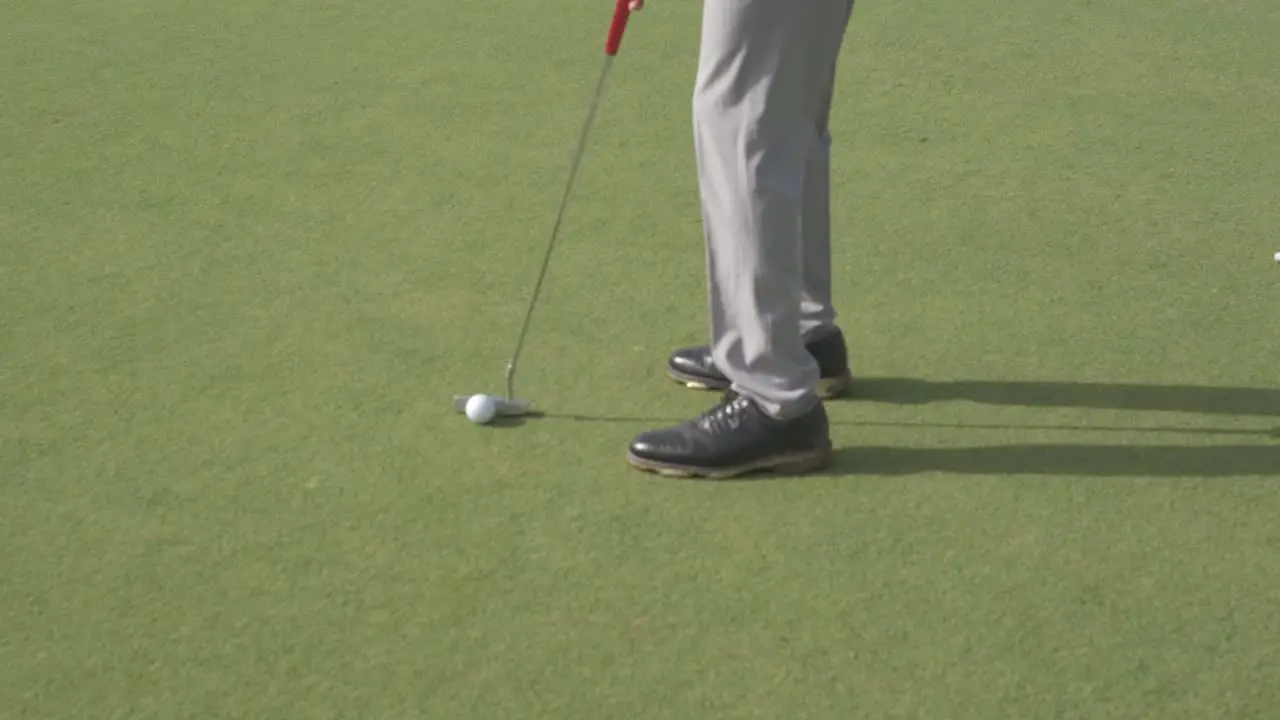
481	409
1278	257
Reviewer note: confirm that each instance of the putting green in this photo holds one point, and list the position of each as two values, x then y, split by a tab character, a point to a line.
250	249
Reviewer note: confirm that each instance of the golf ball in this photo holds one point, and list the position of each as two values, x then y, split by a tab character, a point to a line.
1278	257
481	409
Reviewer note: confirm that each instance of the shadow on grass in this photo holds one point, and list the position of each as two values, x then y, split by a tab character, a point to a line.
1192	399
1096	460
1169	461
514	421
656	422
1105	396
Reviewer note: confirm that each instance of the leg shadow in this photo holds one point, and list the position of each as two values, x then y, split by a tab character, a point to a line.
1273	432
1264	402
1168	461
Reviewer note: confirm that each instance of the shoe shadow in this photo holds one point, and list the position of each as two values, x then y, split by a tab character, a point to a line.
1162	461
1205	400
1273	432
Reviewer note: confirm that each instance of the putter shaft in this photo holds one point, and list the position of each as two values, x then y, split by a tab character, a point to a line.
555	230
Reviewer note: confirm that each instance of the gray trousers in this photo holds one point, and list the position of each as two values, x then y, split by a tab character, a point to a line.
766	73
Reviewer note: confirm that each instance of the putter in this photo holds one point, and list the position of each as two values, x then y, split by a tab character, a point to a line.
509	405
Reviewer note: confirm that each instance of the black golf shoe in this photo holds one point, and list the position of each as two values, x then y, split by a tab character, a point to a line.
734	438
695	368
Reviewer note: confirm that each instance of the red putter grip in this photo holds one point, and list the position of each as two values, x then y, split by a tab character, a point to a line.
621	13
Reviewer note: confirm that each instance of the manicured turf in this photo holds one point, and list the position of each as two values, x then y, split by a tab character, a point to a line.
250	248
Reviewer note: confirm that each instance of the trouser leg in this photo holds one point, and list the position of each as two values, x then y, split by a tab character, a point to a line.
762	93
817	310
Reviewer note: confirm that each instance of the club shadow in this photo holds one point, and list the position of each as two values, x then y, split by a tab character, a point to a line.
1207	400
1160	461
514	421
621	419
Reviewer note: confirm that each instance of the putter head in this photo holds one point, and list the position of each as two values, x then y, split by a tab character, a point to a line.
507	407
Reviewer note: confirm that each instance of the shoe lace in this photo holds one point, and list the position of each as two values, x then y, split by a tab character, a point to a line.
725	415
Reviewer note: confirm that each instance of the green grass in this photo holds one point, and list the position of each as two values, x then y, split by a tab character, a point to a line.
249	249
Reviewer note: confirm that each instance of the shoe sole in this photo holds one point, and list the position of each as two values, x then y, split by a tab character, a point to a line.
798	463
827	388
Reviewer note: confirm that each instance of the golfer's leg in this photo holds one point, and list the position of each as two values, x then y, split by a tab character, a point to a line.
754	109
817	312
